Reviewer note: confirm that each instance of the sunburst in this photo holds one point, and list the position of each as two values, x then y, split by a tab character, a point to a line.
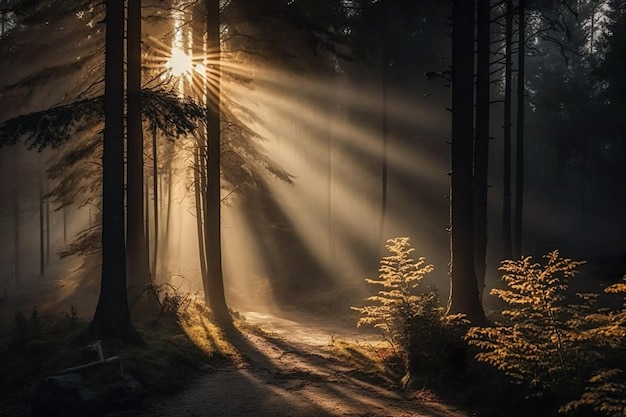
179	63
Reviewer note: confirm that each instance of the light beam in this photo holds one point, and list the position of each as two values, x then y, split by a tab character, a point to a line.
179	63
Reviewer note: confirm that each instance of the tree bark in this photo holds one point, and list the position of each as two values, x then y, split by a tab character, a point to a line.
463	288
200	151
137	257
42	261
507	240
519	151
155	192
146	212
481	143
216	296
385	126
112	317
200	215
170	190
2	19
47	201
16	221
64	224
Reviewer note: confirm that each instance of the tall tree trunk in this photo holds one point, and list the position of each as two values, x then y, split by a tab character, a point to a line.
216	296
170	190
137	257
4	5
200	153
64	224
481	143
112	316
16	221
42	260
200	214
519	151
506	165
47	208
385	126
155	192
584	172
3	18
463	288
329	183
146	214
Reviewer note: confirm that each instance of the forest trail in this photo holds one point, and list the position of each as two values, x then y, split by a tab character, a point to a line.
290	370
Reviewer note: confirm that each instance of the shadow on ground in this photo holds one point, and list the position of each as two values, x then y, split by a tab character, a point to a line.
287	375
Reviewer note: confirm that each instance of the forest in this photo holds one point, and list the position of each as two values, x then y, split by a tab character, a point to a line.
312	208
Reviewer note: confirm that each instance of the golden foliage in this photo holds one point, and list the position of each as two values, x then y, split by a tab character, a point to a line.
410	317
606	393
550	343
399	275
606	389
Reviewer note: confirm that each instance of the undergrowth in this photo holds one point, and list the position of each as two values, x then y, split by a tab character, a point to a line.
411	317
549	352
557	346
178	347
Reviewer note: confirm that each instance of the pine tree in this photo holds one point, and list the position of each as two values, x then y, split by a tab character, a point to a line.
112	316
464	296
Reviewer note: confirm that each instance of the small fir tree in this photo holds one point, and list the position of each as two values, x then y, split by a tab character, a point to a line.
399	275
605	391
534	343
411	318
554	343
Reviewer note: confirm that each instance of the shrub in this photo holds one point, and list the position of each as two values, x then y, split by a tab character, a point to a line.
411	319
605	391
173	302
545	341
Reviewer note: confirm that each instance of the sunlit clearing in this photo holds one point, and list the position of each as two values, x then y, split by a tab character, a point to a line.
179	63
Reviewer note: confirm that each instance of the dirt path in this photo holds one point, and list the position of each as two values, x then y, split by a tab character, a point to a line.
293	375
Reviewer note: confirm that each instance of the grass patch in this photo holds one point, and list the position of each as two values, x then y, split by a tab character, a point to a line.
376	362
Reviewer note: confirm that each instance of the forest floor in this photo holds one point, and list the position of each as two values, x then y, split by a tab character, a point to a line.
293	367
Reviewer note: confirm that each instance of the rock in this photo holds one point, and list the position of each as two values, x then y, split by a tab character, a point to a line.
62	396
71	395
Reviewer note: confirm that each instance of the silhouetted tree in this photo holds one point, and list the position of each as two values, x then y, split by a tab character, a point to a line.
507	239
215	297
386	62
15	196
137	258
481	143
610	69
464	296
76	125
40	175
519	140
112	316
